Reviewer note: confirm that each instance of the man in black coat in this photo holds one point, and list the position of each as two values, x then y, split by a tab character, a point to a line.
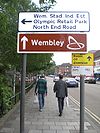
60	88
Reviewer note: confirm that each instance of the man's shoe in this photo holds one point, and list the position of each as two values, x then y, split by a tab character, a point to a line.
40	110
60	114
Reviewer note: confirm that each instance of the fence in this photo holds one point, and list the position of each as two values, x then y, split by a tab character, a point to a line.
14	99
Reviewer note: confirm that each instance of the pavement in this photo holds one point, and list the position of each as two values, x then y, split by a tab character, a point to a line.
48	120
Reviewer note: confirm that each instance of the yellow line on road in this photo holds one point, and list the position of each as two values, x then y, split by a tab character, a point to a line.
95	117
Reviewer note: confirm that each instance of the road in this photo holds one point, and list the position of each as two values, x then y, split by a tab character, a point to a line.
92	99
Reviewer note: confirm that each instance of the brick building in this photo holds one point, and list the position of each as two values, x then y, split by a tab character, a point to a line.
64	68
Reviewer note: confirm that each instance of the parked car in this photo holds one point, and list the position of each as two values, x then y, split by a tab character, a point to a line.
51	75
91	80
55	78
71	82
97	79
77	78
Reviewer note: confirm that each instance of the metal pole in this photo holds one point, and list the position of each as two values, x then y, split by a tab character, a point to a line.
82	88
14	82
22	95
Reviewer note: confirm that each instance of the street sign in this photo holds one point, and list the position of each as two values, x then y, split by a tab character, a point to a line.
82	70
82	59
82	64
71	21
33	42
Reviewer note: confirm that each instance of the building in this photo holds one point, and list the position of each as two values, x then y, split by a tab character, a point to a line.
96	63
64	69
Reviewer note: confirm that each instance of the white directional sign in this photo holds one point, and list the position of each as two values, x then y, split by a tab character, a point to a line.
54	21
82	70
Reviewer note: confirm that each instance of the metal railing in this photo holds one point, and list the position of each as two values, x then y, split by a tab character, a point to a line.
14	99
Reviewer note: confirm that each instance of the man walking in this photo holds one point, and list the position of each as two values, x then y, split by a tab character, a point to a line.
60	88
41	90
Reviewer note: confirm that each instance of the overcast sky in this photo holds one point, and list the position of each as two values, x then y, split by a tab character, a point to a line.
93	41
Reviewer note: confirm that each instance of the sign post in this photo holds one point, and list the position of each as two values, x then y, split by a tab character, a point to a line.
82	91
82	65
22	95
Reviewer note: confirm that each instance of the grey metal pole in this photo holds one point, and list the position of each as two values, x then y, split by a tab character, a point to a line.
22	95
14	78
82	90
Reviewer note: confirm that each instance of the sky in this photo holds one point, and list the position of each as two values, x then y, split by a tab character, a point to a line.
92	36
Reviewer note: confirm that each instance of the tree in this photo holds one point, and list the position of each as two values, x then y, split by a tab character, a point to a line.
8	30
51	69
49	1
38	62
8	24
46	4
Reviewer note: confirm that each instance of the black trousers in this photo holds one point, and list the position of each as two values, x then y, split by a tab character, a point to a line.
60	104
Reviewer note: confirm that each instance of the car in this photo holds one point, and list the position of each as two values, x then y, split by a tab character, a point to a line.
71	82
97	79
77	78
51	75
91	80
55	78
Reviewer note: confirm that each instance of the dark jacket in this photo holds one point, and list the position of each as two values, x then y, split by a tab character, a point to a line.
41	86
60	88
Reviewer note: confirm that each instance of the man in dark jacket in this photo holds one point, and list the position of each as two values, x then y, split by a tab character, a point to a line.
60	88
41	90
